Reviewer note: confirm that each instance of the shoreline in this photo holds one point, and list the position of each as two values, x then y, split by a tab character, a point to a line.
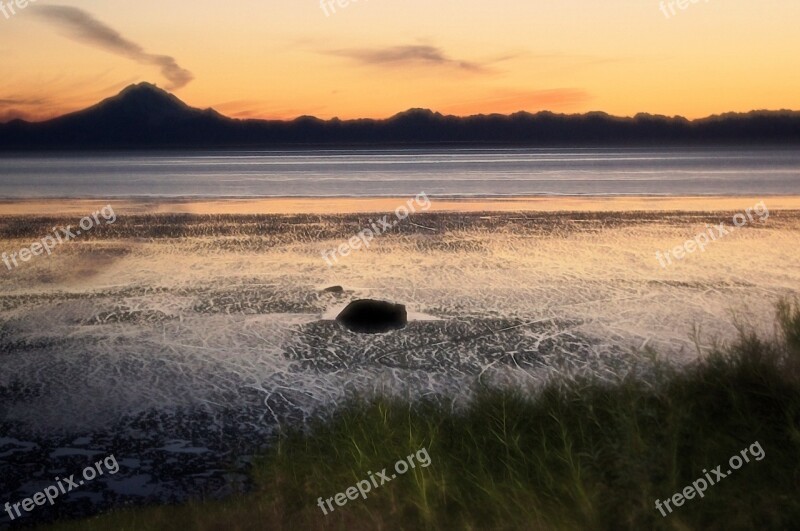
349	205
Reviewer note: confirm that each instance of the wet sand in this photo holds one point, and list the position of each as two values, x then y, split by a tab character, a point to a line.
364	205
181	336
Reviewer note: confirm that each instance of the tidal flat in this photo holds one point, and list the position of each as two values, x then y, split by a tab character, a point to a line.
182	343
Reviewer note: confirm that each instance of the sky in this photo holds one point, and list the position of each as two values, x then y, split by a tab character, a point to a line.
280	59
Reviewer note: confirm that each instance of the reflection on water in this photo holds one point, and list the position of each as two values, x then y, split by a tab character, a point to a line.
382	173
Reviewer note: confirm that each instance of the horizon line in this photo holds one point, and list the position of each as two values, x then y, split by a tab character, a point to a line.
146	84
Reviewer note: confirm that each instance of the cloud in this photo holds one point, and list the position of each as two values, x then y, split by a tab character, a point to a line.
84	27
22	101
7	115
13	107
419	54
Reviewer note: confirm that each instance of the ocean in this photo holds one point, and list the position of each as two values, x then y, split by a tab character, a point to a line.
403	172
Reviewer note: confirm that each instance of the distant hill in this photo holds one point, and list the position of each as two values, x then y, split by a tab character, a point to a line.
145	117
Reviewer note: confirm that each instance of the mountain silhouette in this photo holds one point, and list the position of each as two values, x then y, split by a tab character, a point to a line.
143	116
141	105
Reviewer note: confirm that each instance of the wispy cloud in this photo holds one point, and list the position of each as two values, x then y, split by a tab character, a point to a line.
23	107
73	93
413	54
84	27
22	101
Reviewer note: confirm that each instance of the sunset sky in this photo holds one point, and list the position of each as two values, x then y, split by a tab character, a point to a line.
374	58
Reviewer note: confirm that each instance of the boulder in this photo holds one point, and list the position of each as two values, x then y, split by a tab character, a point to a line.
333	289
373	317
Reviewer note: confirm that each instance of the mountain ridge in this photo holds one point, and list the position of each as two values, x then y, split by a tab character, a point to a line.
143	116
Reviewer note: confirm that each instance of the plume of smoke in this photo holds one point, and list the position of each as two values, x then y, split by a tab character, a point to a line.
84	27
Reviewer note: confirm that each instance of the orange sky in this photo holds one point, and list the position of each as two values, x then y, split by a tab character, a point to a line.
374	58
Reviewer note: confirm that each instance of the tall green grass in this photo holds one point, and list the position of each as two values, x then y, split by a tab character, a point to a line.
579	455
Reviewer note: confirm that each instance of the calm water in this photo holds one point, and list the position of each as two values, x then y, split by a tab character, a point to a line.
453	172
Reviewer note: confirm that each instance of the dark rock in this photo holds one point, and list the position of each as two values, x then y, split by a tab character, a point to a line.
373	317
333	289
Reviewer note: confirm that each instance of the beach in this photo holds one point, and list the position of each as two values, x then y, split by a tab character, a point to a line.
181	336
417	266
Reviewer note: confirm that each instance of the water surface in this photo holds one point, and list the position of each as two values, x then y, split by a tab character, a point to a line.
400	173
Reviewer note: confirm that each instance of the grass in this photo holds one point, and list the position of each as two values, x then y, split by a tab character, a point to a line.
579	455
